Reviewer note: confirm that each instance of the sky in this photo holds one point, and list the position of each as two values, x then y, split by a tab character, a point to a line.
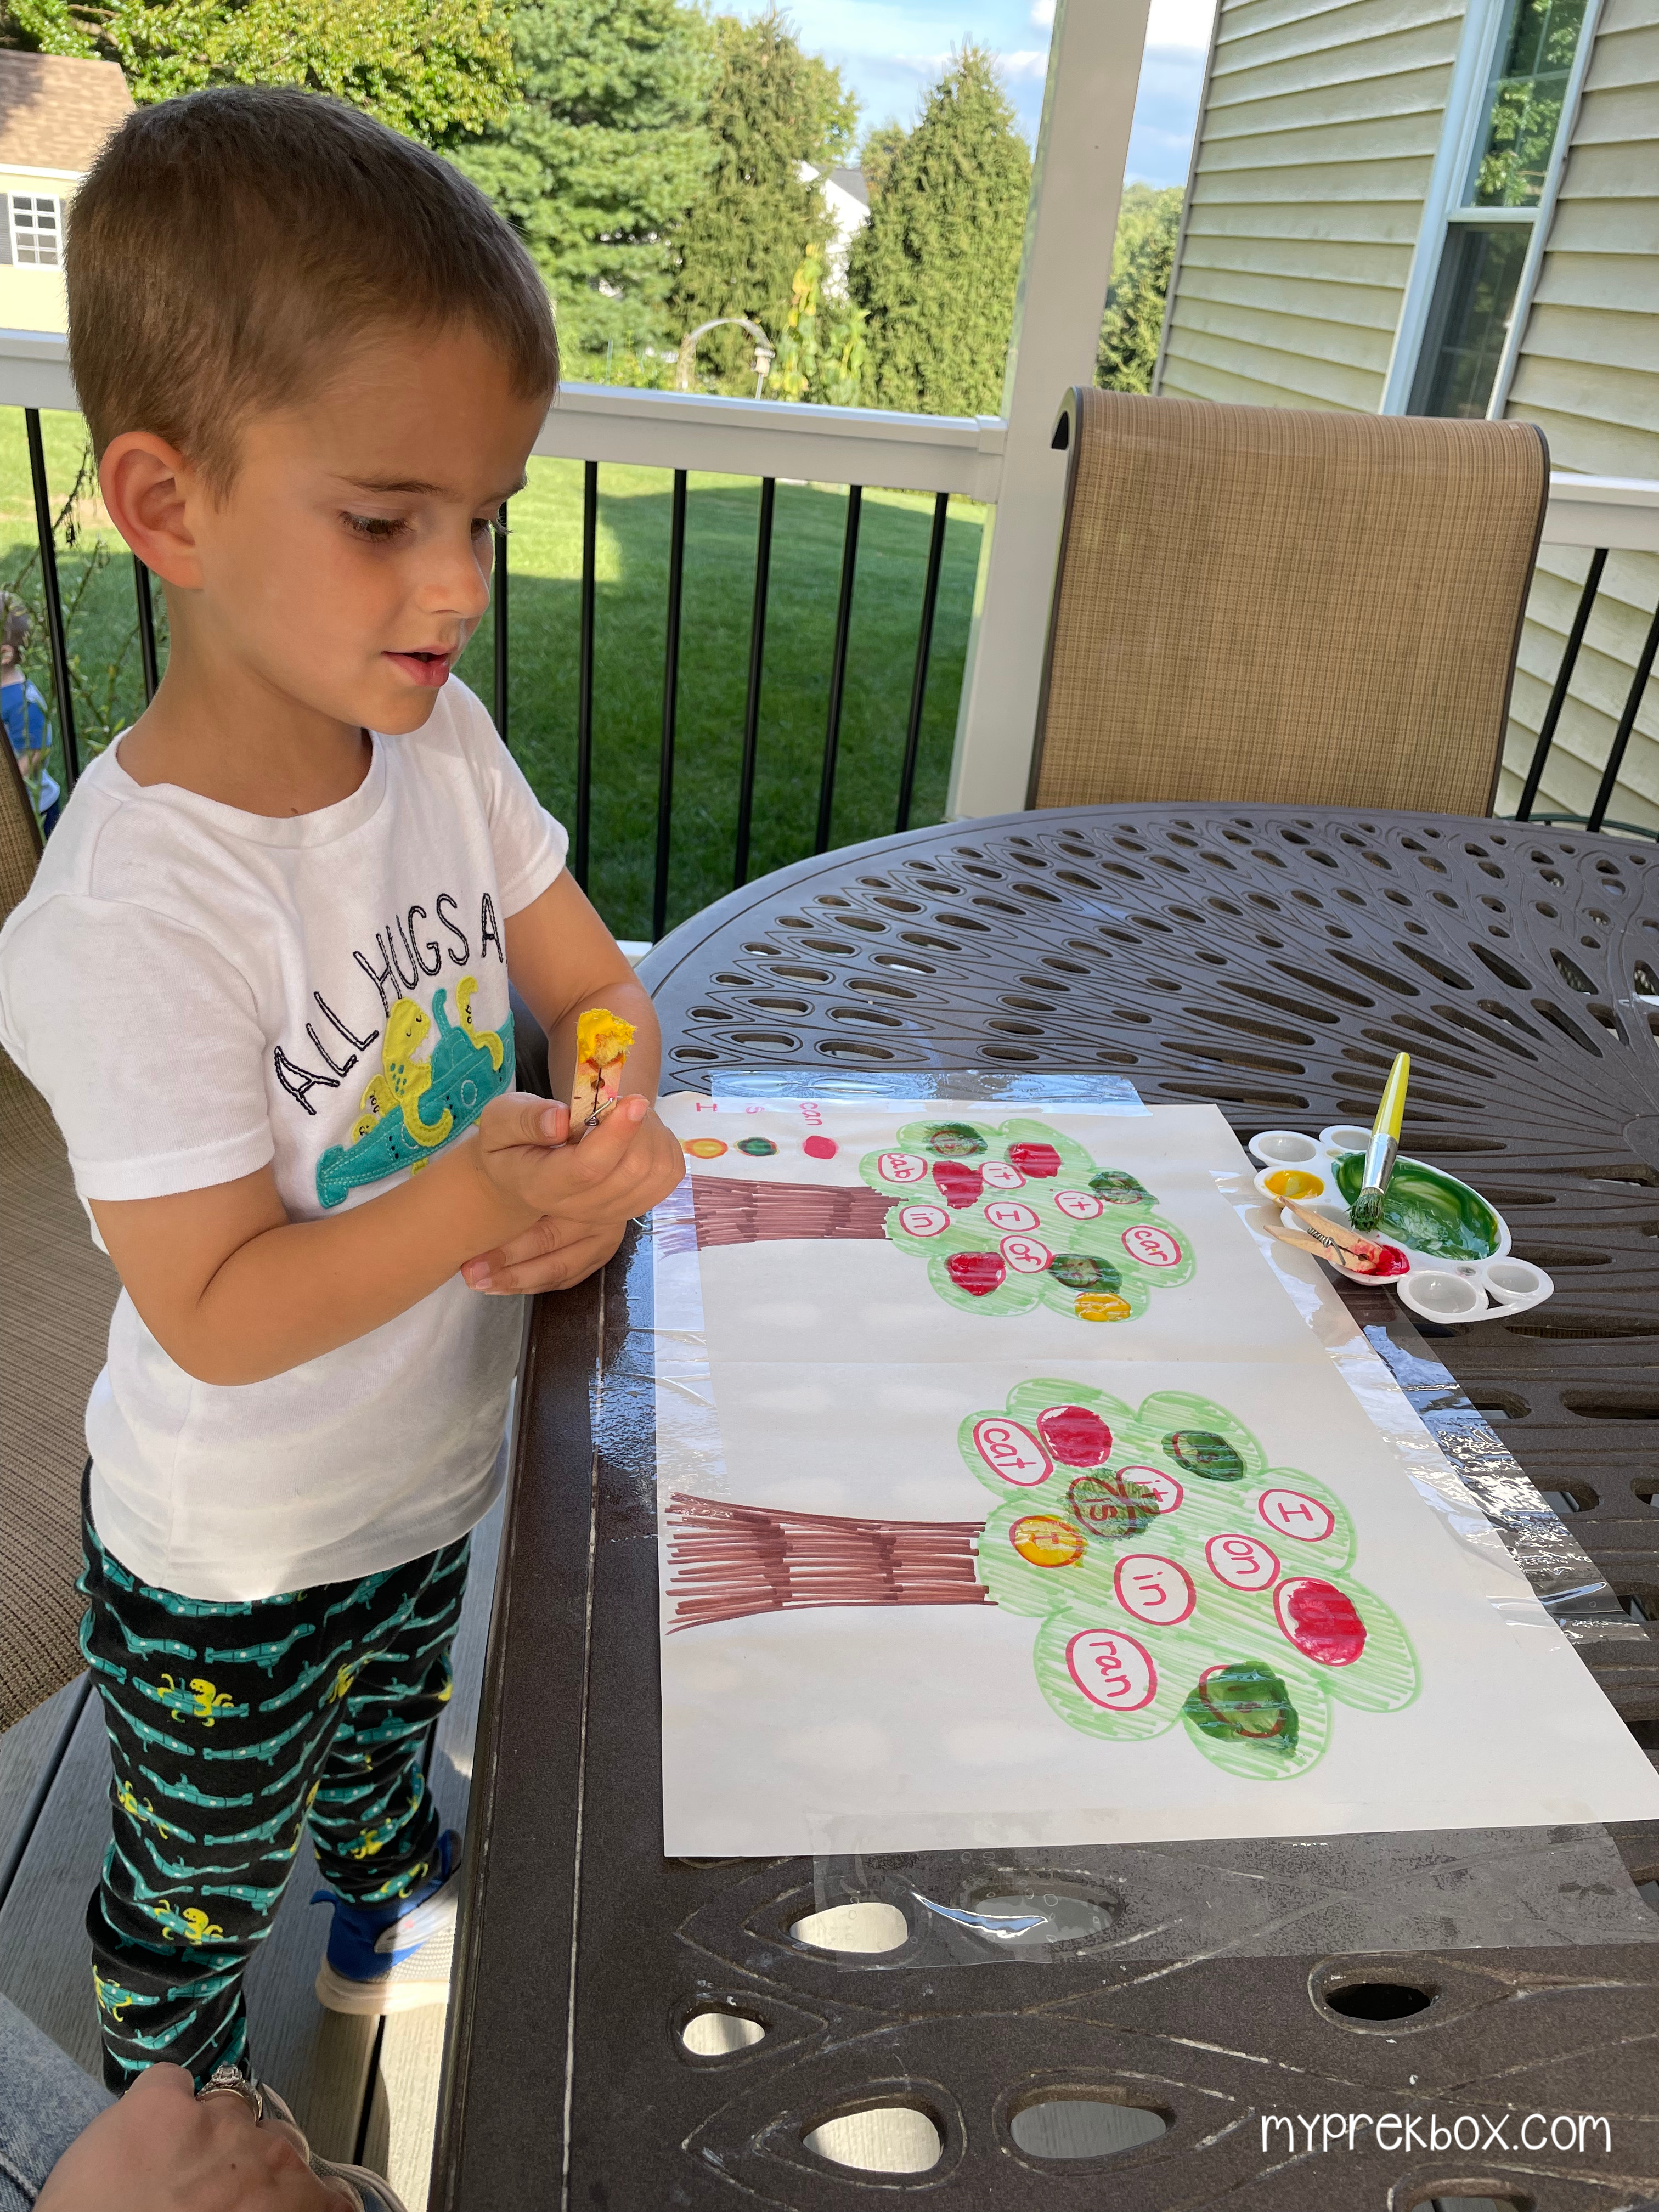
889	51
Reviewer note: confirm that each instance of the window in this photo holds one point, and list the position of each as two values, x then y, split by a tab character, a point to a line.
1503	146
37	231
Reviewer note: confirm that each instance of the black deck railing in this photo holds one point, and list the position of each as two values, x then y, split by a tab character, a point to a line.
1596	819
501	663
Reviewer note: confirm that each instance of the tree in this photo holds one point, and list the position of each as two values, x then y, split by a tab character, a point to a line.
1006	1219
1143	255
601	158
820	350
935	267
432	69
1175	1576
876	156
773	108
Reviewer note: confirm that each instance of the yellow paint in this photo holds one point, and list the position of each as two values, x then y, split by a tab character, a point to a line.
704	1148
602	1036
1295	1182
1100	1305
1048	1541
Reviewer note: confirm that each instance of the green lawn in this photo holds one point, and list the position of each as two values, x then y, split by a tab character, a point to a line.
545	555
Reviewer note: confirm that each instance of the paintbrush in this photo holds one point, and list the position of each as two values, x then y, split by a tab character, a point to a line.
1383	1149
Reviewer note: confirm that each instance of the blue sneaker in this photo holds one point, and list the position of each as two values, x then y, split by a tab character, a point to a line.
392	1957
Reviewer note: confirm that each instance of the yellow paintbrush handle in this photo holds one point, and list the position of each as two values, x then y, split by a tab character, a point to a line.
1392	1112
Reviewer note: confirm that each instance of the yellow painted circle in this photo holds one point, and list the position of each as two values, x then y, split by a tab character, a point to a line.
1100	1305
704	1148
1048	1541
1295	1182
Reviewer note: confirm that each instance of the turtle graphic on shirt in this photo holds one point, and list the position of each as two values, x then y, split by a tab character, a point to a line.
414	1105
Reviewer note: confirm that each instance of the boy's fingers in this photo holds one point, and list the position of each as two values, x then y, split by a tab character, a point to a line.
521	1118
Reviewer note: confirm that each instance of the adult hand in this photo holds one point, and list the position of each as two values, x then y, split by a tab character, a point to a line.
163	2150
587	1194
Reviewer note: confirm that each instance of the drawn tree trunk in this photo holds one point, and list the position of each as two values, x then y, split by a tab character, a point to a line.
733	1560
733	1213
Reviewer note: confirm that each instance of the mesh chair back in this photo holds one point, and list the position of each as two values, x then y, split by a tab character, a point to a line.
56	1292
1277	606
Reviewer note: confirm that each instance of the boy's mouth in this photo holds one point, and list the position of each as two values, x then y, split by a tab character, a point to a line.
427	666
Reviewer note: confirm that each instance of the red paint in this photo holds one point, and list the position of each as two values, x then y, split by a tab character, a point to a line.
979	1274
1393	1262
1034	1159
1320	1620
1076	1436
820	1148
957	1185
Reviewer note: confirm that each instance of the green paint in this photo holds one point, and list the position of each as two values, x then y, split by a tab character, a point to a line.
1430	1212
1119	1187
1244	1702
1080	1271
955	1140
1200	1451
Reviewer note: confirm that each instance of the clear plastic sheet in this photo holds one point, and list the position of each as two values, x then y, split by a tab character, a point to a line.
1176	1901
1079	1094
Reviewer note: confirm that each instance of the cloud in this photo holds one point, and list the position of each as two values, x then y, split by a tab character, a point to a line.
1180	23
1030	64
1042	14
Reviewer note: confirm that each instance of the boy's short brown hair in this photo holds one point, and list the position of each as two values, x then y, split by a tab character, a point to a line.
227	248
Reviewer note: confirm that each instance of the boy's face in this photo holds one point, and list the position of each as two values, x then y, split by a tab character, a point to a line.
348	563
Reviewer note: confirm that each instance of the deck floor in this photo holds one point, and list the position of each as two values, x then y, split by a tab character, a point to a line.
361	2088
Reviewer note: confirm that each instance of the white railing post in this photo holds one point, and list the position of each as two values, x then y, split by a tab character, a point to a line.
1087	106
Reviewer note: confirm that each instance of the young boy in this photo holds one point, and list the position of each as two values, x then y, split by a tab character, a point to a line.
262	979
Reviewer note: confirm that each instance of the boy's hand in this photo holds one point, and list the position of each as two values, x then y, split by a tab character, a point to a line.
584	1195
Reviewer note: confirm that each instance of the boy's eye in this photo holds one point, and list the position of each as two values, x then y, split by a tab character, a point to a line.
482	525
379	529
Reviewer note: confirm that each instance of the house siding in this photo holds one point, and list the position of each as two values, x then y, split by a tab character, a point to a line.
1313	157
1315	148
1588	376
31	299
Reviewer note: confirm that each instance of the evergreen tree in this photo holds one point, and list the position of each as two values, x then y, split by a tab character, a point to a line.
773	108
935	266
432	69
1143	255
600	159
876	156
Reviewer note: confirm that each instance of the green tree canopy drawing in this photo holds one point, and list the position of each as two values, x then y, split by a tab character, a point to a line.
1016	1215
1177	1579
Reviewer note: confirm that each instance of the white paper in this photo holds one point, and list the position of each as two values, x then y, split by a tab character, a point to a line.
831	1379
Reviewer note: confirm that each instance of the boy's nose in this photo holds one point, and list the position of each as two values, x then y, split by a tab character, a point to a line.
460	584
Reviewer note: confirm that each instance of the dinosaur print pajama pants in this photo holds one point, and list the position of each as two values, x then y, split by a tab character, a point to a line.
233	1728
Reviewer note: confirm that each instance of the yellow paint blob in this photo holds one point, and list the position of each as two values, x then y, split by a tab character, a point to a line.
704	1148
1295	1182
1100	1305
1048	1541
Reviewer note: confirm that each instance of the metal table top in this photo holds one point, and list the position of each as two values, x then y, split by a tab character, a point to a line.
1274	961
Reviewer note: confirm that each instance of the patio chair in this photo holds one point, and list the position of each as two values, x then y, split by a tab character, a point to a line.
1275	607
57	1293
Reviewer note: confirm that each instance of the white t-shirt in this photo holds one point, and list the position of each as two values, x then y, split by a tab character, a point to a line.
198	991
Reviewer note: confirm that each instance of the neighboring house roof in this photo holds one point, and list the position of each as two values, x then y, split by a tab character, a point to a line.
851	181
56	112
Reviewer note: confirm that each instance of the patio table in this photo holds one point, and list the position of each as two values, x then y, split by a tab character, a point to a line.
1274	961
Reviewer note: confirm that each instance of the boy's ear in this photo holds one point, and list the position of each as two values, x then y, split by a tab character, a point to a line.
148	488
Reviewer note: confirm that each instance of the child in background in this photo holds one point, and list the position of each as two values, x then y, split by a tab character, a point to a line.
262	979
24	711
